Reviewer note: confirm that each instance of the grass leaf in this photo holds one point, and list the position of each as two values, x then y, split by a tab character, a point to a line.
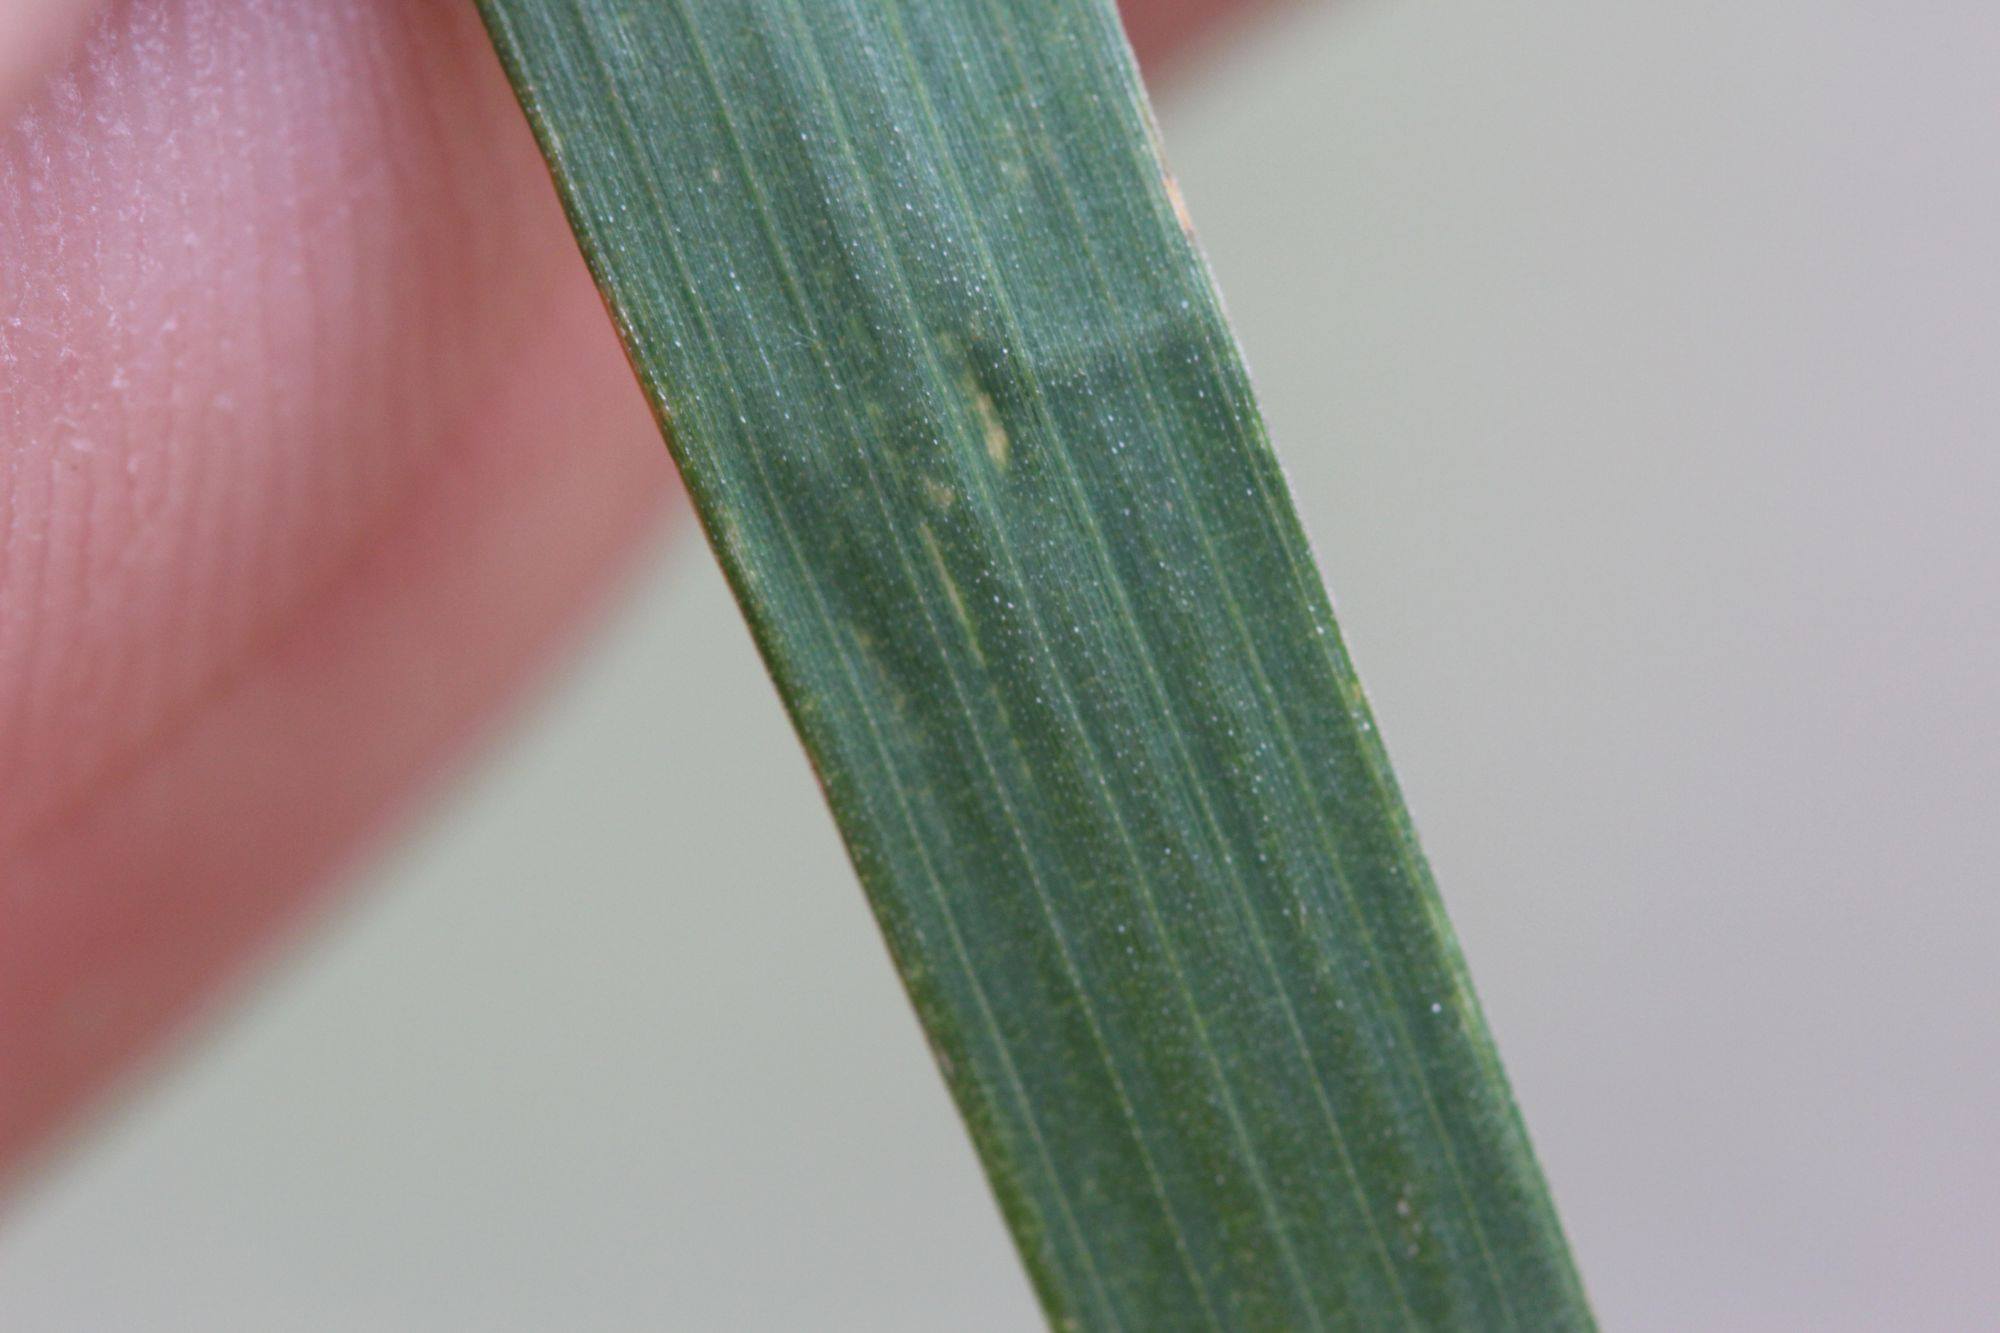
957	405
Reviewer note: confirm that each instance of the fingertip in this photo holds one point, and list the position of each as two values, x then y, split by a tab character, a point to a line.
35	36
1164	32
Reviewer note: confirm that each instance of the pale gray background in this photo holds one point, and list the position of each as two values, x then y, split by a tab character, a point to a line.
1636	368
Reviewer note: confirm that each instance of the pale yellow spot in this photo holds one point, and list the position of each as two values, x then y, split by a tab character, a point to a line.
998	447
1180	205
940	494
950	585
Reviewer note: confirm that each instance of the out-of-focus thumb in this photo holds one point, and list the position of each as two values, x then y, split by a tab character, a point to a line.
34	36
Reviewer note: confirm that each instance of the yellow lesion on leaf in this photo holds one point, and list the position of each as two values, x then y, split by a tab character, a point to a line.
999	447
950	585
1181	214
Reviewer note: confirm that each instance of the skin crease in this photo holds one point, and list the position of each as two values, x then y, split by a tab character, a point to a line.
315	445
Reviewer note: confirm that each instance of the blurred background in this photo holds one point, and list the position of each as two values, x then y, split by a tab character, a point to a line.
1636	369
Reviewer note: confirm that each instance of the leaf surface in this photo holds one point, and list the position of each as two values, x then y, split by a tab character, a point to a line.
958	408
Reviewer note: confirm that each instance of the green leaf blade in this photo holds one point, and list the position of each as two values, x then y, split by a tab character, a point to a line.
957	404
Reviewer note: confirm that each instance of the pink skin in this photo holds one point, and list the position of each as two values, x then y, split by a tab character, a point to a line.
315	446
